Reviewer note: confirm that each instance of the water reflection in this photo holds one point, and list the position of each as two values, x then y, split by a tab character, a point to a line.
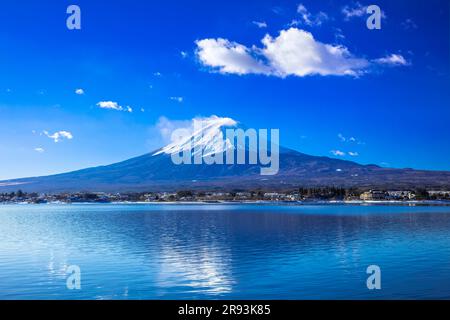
247	252
206	270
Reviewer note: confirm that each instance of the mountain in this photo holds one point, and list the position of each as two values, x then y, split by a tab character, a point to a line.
157	172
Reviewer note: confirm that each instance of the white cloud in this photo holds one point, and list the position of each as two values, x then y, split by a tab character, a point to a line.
393	60
308	18
278	10
79	91
177	99
59	135
109	105
349	139
409	24
357	10
40	150
353	154
339	35
294	52
260	24
183	54
229	57
157	74
142	110
338	153
163	129
113	106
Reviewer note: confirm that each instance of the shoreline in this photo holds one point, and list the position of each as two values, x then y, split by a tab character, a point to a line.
256	202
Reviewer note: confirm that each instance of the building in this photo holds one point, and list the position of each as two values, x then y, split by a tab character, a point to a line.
439	194
401	195
272	196
373	195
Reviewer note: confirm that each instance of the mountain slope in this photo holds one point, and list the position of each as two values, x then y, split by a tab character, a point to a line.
156	171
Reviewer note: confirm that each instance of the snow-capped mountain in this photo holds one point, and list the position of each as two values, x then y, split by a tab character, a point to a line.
156	170
206	134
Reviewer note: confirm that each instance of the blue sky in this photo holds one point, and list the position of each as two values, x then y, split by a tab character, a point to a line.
331	85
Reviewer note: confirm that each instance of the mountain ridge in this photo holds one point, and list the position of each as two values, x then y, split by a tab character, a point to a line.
157	172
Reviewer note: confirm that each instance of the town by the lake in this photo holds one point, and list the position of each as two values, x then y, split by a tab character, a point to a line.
301	195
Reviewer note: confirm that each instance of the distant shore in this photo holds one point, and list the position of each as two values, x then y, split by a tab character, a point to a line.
275	203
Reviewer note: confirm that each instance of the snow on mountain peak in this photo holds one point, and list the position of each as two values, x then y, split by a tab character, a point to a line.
202	135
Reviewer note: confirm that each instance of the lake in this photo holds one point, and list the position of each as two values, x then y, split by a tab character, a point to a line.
214	251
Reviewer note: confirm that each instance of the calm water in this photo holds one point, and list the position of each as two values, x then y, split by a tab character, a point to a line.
223	251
